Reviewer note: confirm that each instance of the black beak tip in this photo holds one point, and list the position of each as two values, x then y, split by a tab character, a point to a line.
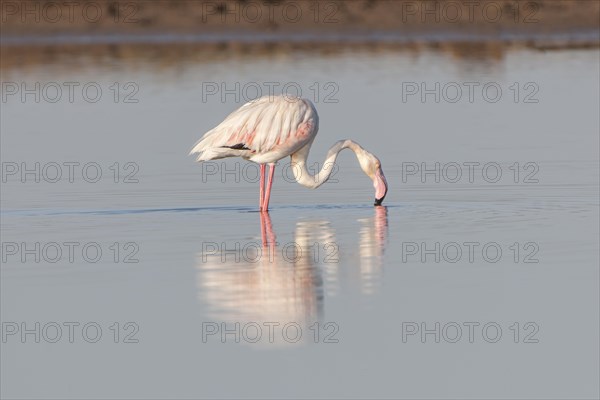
378	201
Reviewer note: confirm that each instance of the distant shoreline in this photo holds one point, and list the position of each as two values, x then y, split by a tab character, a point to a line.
574	39
45	22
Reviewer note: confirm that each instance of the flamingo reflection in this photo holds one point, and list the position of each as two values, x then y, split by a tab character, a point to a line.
283	281
373	237
278	282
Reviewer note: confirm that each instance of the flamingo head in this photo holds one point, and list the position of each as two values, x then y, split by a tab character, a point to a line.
380	185
372	167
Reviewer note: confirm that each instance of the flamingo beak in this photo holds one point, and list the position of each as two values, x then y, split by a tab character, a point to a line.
380	185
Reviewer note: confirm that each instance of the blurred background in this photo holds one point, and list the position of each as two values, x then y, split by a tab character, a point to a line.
222	28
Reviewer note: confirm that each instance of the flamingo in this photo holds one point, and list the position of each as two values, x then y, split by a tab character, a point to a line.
271	128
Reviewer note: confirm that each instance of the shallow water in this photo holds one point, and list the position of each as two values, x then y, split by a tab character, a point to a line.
183	248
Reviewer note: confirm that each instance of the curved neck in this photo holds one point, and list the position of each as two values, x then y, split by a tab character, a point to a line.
303	175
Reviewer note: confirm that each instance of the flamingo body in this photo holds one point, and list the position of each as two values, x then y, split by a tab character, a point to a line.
264	131
271	128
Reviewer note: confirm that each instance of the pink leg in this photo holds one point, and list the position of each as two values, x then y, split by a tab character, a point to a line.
266	231
269	184
262	186
263	229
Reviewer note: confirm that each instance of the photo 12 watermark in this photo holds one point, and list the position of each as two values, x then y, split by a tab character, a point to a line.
255	252
469	332
271	12
70	92
470	172
470	11
469	92
269	332
69	171
71	12
69	332
69	252
243	171
237	92
470	252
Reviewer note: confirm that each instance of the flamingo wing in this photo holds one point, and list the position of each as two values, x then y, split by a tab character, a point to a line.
259	127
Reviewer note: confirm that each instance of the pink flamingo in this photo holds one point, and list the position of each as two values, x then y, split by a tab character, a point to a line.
270	128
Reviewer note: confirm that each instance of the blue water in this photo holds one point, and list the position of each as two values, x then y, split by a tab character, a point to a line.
184	249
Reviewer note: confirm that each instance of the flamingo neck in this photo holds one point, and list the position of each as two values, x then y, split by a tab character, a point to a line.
303	175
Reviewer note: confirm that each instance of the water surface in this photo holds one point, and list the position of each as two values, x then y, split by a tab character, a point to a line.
364	274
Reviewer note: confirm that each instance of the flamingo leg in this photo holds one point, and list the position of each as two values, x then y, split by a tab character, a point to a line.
265	206
262	187
263	230
266	231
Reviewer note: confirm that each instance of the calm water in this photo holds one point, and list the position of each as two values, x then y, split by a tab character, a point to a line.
494	259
